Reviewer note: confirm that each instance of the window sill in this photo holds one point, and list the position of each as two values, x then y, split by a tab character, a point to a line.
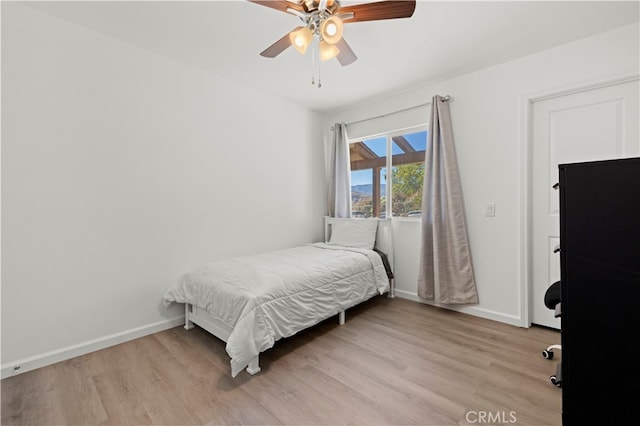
406	219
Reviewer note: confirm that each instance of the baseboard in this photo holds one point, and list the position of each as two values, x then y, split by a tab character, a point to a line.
467	309
52	357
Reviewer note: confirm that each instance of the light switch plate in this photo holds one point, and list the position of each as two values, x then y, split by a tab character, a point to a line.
490	209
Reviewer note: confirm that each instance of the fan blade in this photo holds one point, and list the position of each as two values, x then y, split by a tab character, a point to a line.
279	46
281	5
378	11
346	55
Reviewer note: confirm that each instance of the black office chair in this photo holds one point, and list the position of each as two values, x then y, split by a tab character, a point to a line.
552	300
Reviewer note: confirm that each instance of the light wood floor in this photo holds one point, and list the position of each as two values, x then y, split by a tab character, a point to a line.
394	362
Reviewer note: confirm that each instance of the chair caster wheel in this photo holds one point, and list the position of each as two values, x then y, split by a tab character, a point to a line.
554	381
548	354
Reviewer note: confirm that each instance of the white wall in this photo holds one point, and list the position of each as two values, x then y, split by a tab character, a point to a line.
120	170
489	128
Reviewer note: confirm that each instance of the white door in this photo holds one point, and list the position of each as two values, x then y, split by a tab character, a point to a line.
596	124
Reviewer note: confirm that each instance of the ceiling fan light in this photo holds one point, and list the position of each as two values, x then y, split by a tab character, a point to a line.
331	29
301	39
328	51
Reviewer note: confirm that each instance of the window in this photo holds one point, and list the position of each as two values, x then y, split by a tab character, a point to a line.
368	177
372	187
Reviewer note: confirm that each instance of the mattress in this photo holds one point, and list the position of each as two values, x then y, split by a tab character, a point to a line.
266	297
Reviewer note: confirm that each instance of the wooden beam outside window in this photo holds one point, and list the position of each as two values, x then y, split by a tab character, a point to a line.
403	144
376	191
396	160
360	150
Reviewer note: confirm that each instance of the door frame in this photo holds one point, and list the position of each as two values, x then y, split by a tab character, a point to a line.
526	181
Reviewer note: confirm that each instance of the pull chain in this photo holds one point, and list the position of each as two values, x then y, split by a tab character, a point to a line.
315	63
319	81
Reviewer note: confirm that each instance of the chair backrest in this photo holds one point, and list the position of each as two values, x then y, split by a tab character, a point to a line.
552	295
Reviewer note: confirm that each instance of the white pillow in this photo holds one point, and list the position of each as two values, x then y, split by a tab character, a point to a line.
359	233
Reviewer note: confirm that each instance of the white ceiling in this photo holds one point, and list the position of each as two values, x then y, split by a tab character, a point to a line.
443	39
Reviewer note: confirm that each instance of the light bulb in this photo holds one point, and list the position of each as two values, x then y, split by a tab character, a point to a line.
328	51
301	39
331	29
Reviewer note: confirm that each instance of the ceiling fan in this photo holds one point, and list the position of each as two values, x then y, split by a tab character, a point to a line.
324	19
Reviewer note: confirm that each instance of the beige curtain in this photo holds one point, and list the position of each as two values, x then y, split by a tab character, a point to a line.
445	274
340	175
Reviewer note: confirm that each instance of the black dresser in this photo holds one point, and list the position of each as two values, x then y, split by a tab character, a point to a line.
600	274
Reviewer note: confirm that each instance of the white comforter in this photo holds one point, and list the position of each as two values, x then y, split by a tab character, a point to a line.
266	297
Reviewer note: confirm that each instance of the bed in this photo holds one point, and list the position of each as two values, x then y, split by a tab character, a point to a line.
250	302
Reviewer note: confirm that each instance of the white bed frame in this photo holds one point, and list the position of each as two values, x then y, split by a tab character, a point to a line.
197	316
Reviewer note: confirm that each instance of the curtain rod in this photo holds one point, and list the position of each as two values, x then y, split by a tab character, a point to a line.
445	98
